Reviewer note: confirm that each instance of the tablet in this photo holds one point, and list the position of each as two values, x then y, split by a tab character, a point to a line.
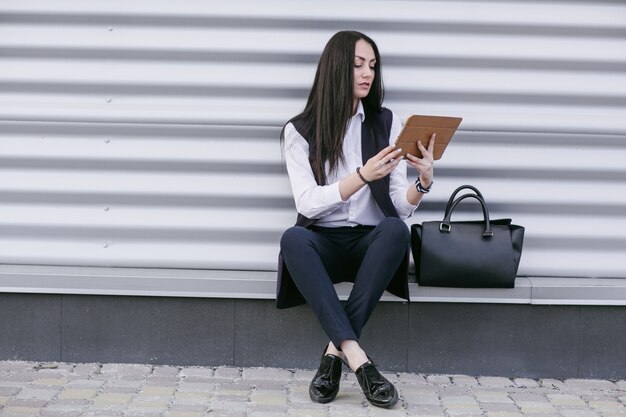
418	127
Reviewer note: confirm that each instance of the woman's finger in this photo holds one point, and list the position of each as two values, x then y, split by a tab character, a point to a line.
426	153
431	144
389	157
385	151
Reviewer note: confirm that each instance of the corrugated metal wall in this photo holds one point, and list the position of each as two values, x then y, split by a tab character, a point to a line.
145	133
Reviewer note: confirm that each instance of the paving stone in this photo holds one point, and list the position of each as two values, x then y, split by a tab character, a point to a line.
52	368
21	411
143	413
267	408
48	412
112	398
528	397
166	371
578	413
38	394
421	398
149	404
103	413
86	369
307	412
15	366
228	405
266	414
68	404
157	391
171	413
195	372
77	394
193	407
32	403
424	410
464	380
383	412
458	399
235	388
500	407
535	407
196	383
566	400
438	379
122	387
18	378
9	391
160	381
303	375
606	406
589	385
504	414
462	409
495	381
409	378
268	399
227	413
85	383
264	374
192	398
50	382
227	372
493	397
455	391
552	383
526	383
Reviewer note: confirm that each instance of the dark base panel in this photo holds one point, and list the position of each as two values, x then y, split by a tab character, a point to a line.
475	339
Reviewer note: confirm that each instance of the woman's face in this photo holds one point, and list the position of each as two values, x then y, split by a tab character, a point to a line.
364	61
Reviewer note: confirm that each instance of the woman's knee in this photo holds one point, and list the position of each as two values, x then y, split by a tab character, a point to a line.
395	228
293	237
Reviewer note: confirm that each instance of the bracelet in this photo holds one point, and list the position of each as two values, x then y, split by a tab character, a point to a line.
358	172
420	188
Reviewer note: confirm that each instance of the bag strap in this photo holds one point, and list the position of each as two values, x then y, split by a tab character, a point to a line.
445	226
462	187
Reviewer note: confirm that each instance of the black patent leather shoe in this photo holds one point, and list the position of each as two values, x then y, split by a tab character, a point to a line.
325	384
377	389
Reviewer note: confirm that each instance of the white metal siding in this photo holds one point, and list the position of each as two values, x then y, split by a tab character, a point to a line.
144	134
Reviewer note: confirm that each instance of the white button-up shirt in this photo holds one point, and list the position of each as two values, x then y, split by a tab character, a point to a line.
323	202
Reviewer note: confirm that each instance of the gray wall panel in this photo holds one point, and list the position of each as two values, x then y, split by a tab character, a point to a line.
145	134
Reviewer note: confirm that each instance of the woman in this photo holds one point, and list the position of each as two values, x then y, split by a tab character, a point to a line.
352	194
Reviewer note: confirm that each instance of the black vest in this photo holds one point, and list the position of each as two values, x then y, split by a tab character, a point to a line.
375	132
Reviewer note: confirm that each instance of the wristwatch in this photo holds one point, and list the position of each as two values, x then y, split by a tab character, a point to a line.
420	188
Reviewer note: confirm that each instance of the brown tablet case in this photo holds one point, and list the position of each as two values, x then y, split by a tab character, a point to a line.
422	127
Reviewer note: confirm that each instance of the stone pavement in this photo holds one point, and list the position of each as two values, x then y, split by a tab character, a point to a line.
68	390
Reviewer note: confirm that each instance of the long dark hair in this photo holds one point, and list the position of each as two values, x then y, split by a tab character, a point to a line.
331	100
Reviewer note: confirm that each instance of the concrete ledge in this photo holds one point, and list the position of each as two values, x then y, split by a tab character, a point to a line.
513	340
261	285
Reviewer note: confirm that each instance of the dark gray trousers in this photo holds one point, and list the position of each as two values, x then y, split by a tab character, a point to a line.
368	256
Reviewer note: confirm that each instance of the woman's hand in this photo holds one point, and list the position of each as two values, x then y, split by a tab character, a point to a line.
424	165
381	164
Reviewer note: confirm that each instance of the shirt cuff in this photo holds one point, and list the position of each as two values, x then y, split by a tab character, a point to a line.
404	207
332	195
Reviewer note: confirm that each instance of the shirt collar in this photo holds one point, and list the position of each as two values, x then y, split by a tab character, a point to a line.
360	111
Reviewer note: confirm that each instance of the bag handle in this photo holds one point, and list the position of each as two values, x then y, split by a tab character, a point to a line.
453	196
445	226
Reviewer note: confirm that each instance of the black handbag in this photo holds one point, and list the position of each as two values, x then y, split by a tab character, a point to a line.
469	254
